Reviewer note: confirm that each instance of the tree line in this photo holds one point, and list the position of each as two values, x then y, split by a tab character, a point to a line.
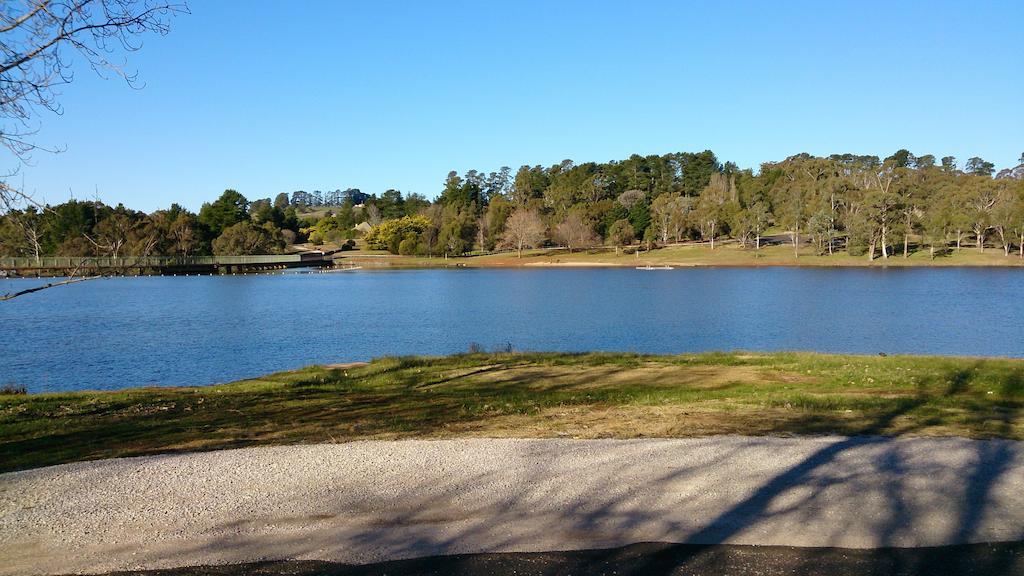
856	204
230	225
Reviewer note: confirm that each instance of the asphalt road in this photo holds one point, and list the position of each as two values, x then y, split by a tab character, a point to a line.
372	502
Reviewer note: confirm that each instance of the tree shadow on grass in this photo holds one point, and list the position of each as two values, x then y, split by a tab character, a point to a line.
840	470
874	482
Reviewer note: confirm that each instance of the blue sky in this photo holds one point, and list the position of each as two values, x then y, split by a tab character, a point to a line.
266	97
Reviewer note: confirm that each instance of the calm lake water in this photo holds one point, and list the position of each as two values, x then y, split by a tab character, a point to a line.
124	332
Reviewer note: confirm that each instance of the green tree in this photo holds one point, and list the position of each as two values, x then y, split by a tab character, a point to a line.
457	231
228	210
760	219
664	210
935	225
621	233
246	238
979	167
1016	216
710	211
981	197
182	235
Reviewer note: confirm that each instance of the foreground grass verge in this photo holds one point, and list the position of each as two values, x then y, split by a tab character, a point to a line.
528	395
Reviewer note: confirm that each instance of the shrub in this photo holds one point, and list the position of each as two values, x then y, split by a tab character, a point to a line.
409	244
388	235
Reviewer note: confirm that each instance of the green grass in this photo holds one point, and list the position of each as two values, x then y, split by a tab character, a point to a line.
726	253
528	395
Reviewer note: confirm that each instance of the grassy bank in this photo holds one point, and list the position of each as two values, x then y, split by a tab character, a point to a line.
724	254
528	395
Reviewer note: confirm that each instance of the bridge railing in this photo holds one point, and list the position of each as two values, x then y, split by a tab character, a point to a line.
72	262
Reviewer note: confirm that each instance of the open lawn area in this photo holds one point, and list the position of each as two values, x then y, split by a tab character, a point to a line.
727	253
528	395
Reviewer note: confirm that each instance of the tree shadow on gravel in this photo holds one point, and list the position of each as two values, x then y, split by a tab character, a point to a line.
895	513
660	559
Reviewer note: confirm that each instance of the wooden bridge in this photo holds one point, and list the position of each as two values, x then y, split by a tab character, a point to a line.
164	265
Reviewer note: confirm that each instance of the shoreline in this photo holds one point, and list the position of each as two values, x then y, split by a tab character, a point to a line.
685	256
399	265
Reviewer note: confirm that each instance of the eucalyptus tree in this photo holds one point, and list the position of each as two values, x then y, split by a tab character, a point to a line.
112	234
883	208
681	210
760	218
181	231
819	227
800	180
621	233
981	197
1016	215
935	225
248	238
710	211
663	210
1006	212
915	190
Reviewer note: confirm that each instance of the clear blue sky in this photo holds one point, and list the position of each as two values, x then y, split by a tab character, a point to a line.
266	97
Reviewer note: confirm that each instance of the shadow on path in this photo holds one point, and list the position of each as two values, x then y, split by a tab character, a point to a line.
655	559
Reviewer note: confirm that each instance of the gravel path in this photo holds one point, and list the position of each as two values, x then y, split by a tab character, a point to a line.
372	501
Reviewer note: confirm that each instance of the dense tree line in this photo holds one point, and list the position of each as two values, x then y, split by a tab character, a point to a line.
229	225
862	205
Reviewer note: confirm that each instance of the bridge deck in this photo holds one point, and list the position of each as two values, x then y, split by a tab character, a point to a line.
161	264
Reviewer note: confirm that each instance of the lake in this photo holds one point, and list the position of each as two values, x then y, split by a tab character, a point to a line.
124	332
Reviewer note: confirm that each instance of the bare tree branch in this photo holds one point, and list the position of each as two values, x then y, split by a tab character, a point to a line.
13	295
38	39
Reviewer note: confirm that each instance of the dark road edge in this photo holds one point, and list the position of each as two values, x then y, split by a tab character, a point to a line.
660	559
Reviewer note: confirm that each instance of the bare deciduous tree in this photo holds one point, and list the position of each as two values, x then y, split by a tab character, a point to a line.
373	217
38	40
524	229
630	197
575	232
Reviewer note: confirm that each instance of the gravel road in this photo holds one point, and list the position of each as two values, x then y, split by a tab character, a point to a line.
368	502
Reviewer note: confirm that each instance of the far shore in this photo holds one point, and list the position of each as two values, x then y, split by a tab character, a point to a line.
687	255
